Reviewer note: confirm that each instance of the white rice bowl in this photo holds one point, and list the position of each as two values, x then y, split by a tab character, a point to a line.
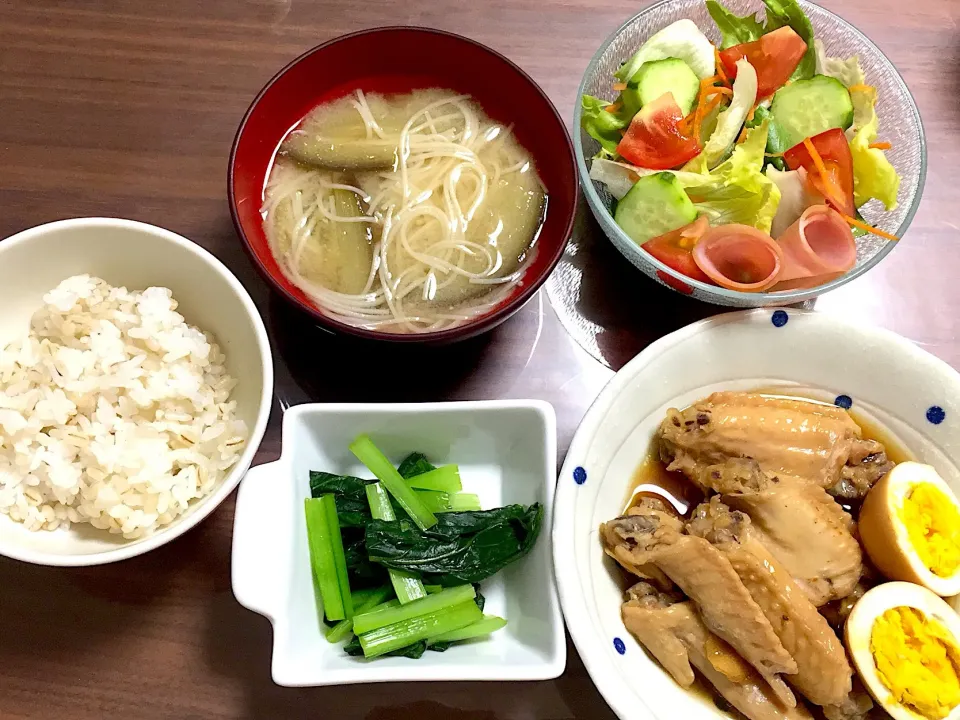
113	412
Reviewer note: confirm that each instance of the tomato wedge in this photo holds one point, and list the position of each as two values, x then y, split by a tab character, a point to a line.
774	56
675	249
654	139
834	152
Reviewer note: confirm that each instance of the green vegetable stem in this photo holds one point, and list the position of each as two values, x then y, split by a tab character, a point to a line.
407	587
377	463
327	557
415	629
386	615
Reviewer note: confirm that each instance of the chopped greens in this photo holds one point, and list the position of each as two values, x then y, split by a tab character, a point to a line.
327	557
486	625
415	629
388	615
357	530
414	464
461	547
377	463
444	479
363	600
441	502
407	587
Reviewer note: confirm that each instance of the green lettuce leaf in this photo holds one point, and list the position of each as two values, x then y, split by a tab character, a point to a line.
846	70
734	30
682	39
788	12
873	175
620	176
602	126
731	120
737	191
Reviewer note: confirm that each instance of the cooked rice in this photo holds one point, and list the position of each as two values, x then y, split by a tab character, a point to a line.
113	411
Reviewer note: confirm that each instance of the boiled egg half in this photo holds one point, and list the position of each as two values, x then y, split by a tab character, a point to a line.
910	528
904	643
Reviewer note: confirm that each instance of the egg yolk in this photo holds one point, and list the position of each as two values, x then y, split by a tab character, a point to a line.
917	660
933	525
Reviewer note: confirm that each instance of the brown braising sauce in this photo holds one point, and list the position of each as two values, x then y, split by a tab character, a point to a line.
652	479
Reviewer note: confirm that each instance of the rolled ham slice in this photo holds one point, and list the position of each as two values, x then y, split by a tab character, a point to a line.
816	248
739	257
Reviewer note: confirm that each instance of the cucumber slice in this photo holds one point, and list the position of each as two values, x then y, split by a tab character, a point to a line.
653	79
655	205
809	107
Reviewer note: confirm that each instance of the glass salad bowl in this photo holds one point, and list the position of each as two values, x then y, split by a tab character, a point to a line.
899	123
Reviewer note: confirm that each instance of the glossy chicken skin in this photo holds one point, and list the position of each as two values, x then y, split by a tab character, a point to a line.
674	632
707	578
799	523
787	438
823	672
647	571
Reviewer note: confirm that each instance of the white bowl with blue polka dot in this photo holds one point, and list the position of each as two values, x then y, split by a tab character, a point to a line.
886	379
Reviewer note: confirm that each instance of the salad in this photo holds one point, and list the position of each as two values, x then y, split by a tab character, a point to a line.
743	165
397	560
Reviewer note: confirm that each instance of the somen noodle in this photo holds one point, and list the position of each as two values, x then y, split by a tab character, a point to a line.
407	213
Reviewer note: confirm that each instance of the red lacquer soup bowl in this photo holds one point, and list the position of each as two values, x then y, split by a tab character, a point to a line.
395	60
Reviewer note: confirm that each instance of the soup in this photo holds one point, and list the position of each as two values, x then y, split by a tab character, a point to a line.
403	213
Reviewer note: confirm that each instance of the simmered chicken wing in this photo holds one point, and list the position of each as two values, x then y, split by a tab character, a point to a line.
788	438
707	578
823	673
674	632
799	523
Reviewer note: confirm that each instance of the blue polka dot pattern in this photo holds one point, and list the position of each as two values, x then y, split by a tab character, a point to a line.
936	414
779	318
579	475
619	646
843	401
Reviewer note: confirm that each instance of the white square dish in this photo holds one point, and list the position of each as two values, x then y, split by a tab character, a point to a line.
506	451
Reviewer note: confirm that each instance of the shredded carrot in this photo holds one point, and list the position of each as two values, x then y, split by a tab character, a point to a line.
869	228
717	99
619	87
697	120
750	114
613	108
880	146
860	87
824	175
743	135
705	110
722	75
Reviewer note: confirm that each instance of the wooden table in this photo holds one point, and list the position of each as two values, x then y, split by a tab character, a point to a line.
127	108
